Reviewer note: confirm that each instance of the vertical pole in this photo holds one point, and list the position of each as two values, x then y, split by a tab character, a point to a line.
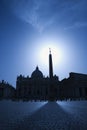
50	65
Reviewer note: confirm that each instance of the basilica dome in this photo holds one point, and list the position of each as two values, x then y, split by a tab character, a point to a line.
37	73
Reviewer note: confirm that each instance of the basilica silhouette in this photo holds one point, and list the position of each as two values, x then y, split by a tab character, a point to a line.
38	87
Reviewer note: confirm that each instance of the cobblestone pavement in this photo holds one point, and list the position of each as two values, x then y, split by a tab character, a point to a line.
53	116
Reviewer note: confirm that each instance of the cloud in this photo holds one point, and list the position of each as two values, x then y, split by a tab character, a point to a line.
76	25
42	14
31	12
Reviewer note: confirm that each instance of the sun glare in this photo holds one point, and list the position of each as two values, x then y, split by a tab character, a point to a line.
39	55
57	54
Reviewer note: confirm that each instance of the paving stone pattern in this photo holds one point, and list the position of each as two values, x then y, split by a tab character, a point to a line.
52	116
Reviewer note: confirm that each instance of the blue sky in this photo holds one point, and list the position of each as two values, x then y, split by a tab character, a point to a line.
25	25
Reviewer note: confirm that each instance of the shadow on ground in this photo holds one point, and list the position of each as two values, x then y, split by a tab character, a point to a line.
50	117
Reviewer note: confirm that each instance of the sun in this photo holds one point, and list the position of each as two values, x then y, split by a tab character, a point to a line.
56	52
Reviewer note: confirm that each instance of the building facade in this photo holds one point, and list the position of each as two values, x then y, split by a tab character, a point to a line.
38	87
7	91
74	87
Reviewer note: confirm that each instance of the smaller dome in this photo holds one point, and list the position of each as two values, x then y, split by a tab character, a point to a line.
37	73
